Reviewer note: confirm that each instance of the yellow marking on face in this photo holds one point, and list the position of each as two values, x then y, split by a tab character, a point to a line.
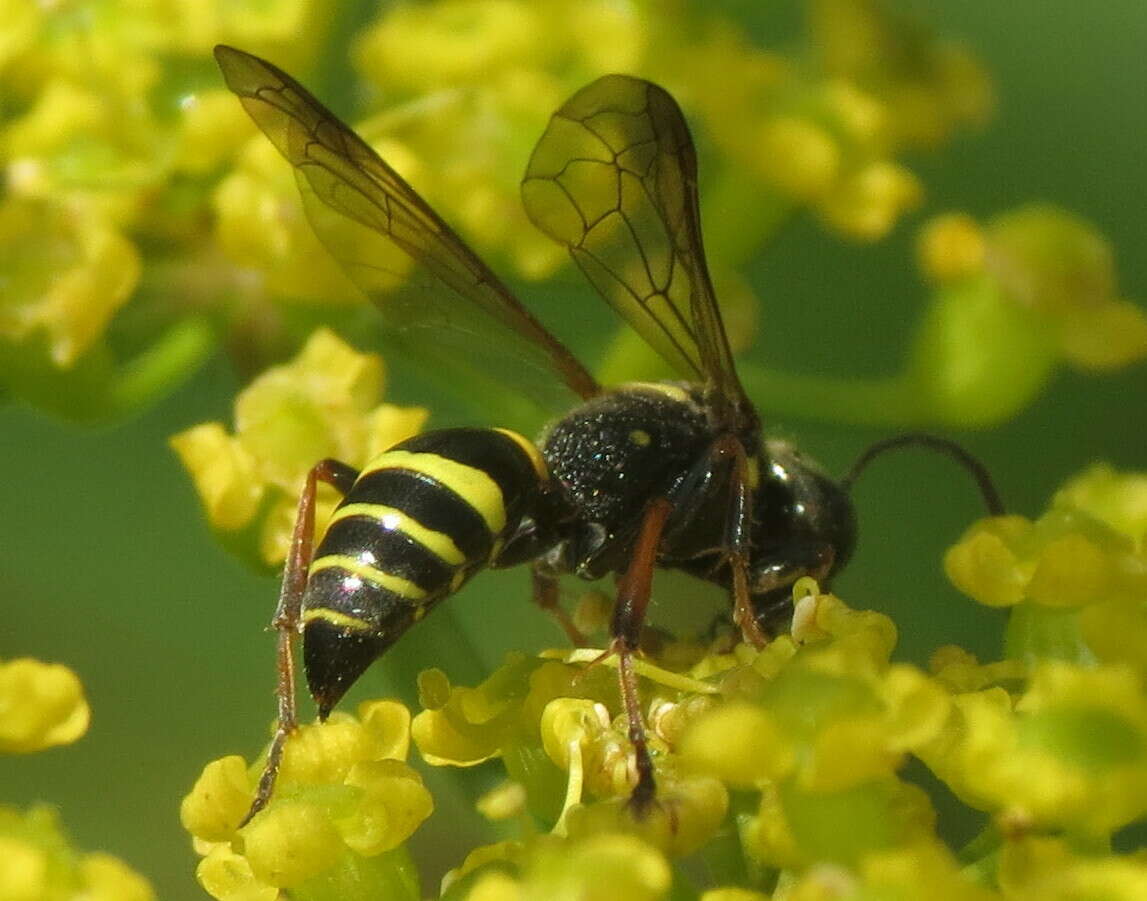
640	437
336	618
438	543
530	450
404	588
473	485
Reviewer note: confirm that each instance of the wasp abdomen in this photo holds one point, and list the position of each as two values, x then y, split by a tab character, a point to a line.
418	521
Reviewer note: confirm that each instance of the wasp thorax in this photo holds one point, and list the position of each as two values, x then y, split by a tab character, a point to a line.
612	454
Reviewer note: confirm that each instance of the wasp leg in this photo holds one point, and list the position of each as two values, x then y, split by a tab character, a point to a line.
534	537
286	619
628	618
546	595
723	475
737	528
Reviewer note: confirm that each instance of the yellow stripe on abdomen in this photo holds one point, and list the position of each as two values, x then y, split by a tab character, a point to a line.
438	543
531	451
404	588
472	485
337	618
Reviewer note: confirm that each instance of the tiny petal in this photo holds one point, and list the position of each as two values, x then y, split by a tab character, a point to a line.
1106	337
739	743
227	876
223	472
917	707
395	805
388	723
798	157
388	424
41	705
950	247
218	801
495	886
1071	571
108	878
1118	499
867	203
503	802
601	868
983	564
23	869
289	842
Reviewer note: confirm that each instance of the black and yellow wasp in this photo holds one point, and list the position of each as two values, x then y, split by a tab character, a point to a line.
645	475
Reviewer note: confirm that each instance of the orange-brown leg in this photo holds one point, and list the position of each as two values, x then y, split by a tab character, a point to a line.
286	619
546	595
628	618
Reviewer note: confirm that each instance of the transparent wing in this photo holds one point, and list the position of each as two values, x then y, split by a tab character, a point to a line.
439	302
614	178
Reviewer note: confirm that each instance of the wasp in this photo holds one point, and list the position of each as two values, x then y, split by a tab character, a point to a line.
673	474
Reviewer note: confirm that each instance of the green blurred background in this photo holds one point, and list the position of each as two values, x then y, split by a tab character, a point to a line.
107	565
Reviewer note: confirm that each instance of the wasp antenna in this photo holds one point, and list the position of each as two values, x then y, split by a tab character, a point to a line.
975	468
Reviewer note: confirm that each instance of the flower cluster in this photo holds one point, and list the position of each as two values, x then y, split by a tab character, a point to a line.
1034	286
43	705
324	403
824	135
345	802
134	178
783	769
1009	300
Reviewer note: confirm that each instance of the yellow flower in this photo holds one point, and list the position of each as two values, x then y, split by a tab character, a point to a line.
951	247
423	48
740	744
943	87
1071	752
798	157
41	705
322	404
65	284
260	224
1045	868
595	868
1058	264
1118	499
344	796
1064	559
37	863
868	202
